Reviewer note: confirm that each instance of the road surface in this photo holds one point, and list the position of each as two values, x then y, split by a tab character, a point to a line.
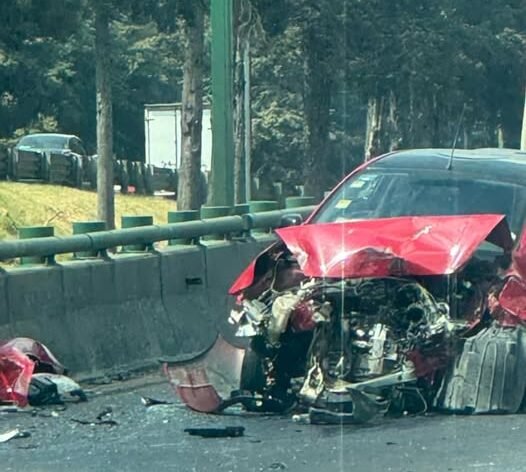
153	439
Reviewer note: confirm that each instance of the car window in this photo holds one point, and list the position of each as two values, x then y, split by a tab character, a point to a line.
43	142
76	146
389	194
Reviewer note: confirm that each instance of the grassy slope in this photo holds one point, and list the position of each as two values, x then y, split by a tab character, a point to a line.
23	204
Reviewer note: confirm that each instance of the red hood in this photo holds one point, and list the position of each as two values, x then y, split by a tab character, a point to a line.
412	245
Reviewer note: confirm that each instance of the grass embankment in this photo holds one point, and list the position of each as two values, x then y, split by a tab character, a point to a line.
28	204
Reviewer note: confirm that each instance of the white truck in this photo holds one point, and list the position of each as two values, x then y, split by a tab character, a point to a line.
162	133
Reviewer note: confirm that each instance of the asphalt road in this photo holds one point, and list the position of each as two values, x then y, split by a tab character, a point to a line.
152	439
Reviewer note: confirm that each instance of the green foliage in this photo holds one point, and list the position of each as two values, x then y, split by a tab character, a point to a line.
48	73
425	60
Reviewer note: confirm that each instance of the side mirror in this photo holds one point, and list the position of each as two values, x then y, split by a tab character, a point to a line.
291	219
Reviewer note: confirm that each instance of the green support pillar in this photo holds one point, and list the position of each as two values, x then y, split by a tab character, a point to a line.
222	179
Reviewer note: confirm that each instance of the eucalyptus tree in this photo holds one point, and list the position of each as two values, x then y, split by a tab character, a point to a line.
190	189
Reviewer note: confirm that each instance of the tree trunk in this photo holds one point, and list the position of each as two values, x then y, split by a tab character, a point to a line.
523	129
239	128
500	137
466	137
394	139
317	93
435	120
411	119
242	133
247	111
373	128
103	54
190	193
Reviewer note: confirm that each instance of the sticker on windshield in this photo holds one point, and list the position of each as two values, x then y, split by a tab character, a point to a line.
343	204
358	183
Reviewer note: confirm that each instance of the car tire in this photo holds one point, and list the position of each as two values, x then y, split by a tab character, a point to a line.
12	166
252	372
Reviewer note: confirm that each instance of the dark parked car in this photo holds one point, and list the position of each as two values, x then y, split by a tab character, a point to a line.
62	143
50	157
404	291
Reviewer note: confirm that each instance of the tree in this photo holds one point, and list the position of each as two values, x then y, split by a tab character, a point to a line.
247	28
523	129
320	24
317	70
103	54
190	188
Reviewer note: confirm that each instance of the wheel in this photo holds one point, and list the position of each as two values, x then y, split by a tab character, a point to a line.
252	372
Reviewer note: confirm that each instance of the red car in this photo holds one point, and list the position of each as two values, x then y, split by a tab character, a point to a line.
404	291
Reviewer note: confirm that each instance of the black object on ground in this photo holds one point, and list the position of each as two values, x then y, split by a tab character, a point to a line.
227	432
148	401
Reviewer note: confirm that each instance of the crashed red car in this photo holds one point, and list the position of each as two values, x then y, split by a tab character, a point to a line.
404	291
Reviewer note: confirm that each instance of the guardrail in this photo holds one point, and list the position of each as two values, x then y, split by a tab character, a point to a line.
97	242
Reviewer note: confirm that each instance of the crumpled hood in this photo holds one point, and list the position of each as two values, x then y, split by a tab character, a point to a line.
401	246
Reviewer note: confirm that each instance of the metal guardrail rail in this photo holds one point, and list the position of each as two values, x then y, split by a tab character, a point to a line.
102	240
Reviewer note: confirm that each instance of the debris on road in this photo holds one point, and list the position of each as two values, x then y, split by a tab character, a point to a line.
11	409
103	418
226	432
148	401
105	413
66	387
277	466
13	434
190	379
95	422
21	359
42	391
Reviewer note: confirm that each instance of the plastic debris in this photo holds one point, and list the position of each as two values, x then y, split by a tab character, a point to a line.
13	434
227	432
96	422
148	401
20	359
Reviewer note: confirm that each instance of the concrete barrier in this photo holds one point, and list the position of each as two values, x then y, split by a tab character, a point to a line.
128	311
184	295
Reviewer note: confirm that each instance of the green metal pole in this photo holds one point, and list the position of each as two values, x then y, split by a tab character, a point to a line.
222	179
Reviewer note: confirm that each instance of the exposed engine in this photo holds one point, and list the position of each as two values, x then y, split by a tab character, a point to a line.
351	319
353	347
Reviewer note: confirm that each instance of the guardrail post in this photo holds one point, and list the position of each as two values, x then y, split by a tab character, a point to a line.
238	210
214	212
27	232
179	217
90	172
257	206
134	221
277	188
82	227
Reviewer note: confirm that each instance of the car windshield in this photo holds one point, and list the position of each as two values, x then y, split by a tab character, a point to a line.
384	193
44	142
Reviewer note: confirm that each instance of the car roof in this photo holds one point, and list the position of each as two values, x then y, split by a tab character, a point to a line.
55	135
492	163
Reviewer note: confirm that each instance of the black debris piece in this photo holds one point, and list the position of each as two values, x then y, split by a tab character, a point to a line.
148	401
227	432
105	413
